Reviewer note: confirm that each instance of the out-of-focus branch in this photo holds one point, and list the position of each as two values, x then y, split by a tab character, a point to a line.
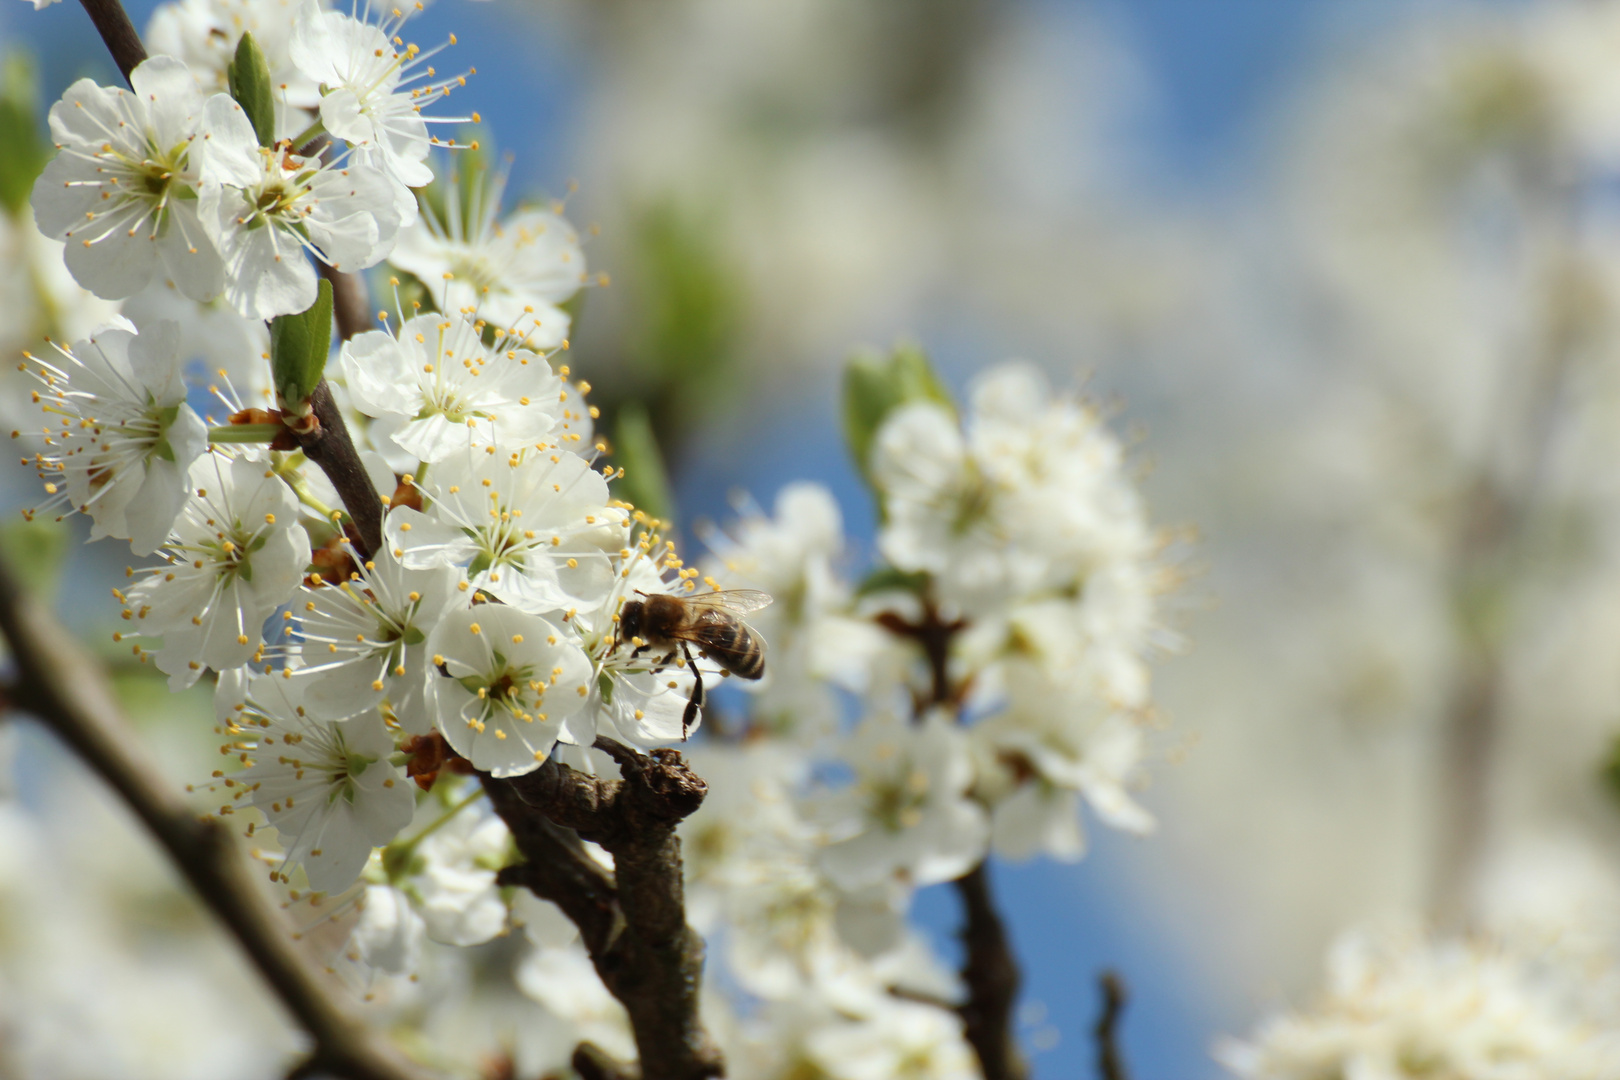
989	970
633	921
1486	556
1110	1063
593	1063
351	303
117	32
992	978
61	685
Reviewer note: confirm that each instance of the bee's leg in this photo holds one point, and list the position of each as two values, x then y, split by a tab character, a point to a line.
695	702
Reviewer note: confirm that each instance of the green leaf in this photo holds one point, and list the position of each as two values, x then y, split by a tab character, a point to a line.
298	347
890	579
1611	770
876	385
688	295
37	550
248	77
24	155
645	482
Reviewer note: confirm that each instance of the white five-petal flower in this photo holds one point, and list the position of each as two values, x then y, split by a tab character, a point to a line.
441	389
528	527
327	787
365	639
372	95
264	208
122	189
513	273
126	438
509	685
235	555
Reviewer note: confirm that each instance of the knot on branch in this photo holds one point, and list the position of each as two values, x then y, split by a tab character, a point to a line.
660	784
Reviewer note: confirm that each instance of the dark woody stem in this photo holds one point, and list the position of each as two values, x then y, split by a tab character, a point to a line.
632	920
1110	1062
989	969
117	32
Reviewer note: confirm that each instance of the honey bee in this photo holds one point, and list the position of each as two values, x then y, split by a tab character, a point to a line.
711	621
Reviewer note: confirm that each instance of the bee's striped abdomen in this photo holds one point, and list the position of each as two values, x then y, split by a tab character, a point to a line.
729	643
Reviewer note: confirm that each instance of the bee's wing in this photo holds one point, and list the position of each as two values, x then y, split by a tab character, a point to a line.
736	601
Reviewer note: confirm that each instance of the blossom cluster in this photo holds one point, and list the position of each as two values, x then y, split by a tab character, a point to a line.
1403	1005
971	692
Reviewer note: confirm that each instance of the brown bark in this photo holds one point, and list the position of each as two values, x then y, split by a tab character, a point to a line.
632	920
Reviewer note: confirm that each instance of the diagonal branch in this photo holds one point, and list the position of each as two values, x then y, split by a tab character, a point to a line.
992	978
989	969
633	921
117	33
57	682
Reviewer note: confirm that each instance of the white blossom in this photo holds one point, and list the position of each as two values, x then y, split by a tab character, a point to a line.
639	699
217	345
899	1039
372	95
234	556
513	272
264	208
444	390
1400	1007
126	439
204	35
365	639
454	889
907	813
327	787
510	684
528	527
1046	750
121	191
816	641
388	935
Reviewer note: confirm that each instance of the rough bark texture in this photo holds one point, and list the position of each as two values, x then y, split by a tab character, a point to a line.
57	682
633	920
992	978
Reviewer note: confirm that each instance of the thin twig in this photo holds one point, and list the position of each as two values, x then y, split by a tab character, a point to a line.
989	969
1487	556
62	686
328	445
991	975
633	921
351	303
1110	1063
117	32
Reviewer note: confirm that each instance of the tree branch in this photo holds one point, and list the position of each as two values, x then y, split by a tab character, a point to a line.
351	303
117	33
992	978
633	921
328	445
989	970
57	682
1110	1063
